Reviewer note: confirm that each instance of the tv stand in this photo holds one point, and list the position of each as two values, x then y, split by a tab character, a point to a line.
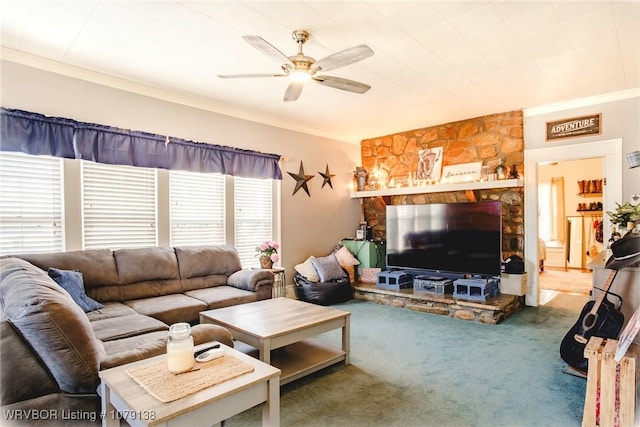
492	311
477	287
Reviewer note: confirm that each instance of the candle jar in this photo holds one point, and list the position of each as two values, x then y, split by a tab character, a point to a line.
180	348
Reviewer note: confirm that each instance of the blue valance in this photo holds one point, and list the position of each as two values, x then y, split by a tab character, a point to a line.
36	134
201	157
105	144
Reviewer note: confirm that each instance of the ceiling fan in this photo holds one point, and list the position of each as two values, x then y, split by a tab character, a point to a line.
301	68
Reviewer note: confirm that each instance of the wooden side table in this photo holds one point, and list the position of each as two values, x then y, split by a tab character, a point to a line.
124	399
279	283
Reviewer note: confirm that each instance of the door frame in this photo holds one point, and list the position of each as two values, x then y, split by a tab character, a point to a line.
609	150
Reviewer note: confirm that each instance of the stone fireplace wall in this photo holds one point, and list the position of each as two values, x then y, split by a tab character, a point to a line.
488	139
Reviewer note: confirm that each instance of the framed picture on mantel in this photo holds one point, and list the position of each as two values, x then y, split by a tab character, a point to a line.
429	164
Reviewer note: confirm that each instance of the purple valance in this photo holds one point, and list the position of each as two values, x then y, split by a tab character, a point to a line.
36	134
32	133
105	144
200	157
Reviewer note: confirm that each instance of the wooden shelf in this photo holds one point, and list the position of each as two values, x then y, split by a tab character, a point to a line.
590	194
439	188
300	358
588	213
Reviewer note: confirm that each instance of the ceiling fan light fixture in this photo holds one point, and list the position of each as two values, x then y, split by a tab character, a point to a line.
301	68
299	76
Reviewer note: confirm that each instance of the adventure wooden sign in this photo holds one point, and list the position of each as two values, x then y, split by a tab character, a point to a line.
577	126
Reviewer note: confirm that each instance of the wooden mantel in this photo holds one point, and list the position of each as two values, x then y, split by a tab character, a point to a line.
439	188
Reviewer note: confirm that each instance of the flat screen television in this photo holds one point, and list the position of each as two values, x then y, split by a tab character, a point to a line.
464	238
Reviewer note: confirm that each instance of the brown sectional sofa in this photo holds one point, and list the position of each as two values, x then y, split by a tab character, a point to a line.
51	350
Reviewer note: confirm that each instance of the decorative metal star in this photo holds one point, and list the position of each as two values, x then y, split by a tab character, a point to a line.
327	177
301	180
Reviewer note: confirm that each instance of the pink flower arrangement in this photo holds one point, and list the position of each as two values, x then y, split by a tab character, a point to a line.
269	248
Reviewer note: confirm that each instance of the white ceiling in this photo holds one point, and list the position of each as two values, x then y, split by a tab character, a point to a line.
435	61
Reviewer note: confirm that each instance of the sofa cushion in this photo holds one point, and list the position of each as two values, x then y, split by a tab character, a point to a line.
98	267
223	296
140	347
23	376
53	325
197	261
72	282
149	289
203	282
109	310
169	308
126	326
56	410
146	264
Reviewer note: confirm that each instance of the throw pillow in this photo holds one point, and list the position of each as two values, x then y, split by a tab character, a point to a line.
328	268
351	273
73	282
307	270
347	261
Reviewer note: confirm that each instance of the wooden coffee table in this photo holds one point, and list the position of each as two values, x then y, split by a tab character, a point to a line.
287	325
124	399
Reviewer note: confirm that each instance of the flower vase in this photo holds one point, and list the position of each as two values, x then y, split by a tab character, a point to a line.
265	262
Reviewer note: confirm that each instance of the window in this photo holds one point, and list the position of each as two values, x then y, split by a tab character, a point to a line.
197	208
30	204
253	207
544	216
122	206
119	206
556	205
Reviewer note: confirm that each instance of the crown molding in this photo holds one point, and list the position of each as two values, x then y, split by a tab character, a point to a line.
163	94
582	102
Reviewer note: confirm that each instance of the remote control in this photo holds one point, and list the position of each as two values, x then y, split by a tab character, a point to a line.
211	354
204	350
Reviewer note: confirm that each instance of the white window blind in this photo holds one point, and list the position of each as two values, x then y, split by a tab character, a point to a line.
30	204
119	206
253	217
197	208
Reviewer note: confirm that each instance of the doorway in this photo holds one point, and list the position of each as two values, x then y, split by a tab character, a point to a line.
611	153
570	227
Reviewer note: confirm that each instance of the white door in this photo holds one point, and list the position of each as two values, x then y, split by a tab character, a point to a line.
574	242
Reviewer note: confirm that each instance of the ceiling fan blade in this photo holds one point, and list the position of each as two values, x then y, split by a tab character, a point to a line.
342	84
342	58
266	48
293	91
243	76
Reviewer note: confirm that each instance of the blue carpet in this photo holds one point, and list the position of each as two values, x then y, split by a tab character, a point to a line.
416	369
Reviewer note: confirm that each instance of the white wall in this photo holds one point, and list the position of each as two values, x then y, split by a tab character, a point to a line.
620	135
620	119
310	225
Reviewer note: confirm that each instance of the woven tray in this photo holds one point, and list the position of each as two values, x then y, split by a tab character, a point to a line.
165	386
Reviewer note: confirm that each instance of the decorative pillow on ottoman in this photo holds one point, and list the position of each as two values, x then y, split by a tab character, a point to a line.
308	270
73	282
347	261
328	268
